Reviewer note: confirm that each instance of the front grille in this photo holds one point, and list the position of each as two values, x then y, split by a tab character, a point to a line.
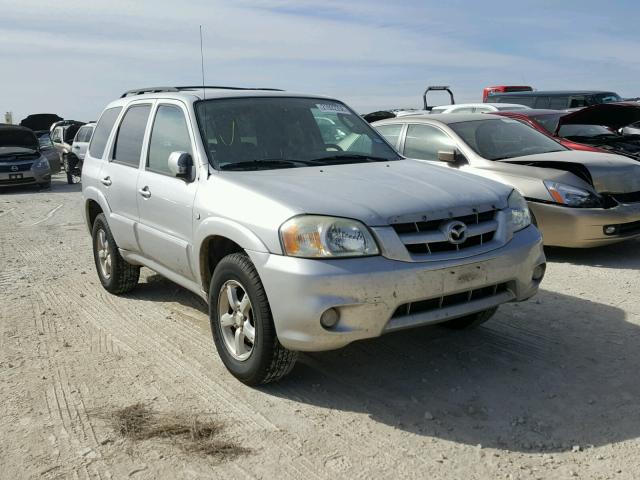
632	197
17	182
428	238
22	167
452	300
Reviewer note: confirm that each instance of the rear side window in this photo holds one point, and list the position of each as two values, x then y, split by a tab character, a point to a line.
103	129
169	134
542	102
424	142
128	145
558	103
391	133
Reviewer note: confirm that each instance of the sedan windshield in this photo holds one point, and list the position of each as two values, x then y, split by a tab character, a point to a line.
504	138
286	132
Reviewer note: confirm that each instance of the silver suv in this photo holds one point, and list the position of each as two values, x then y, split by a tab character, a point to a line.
297	222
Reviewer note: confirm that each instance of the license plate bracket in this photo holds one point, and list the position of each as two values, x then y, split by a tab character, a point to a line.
465	278
15	176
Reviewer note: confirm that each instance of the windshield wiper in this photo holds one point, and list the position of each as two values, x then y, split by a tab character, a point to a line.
265	163
350	156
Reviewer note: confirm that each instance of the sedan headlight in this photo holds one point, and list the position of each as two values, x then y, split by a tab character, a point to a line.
315	236
520	215
572	196
41	164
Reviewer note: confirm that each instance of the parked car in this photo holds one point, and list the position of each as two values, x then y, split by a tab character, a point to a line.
504	89
478	108
21	162
545	121
49	150
75	158
298	243
579	199
62	134
40	123
596	128
555	100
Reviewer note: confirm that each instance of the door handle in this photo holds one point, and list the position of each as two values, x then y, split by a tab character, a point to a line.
145	192
106	181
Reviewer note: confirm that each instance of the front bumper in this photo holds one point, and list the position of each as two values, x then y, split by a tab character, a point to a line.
584	227
368	291
23	177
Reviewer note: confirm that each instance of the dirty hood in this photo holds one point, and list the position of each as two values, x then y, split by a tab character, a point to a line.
607	173
612	115
375	193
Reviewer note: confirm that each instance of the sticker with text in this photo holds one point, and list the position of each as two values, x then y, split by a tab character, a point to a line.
332	108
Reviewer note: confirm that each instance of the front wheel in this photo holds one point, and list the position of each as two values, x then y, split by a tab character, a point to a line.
242	325
471	321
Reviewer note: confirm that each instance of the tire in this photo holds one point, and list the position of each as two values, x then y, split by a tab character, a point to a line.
45	185
121	276
470	321
267	360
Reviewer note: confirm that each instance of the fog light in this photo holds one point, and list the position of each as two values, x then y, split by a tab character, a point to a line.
610	230
538	272
329	318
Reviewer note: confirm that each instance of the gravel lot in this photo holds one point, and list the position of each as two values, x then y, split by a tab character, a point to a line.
548	389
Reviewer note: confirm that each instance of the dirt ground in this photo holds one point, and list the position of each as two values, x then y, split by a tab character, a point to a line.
548	389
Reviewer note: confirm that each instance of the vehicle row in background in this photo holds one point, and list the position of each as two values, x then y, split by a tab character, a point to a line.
579	199
600	128
554	100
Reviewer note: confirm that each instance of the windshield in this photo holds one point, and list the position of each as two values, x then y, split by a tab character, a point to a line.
584	131
44	140
10	139
607	97
548	122
504	138
281	132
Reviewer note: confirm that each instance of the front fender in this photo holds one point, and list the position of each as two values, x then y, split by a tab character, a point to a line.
222	227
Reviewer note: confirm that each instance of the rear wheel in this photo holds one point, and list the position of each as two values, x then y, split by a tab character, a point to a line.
242	325
115	273
471	321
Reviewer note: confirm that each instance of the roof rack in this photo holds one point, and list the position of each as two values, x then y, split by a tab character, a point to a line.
140	91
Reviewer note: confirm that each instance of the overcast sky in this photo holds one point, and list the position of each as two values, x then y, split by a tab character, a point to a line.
72	57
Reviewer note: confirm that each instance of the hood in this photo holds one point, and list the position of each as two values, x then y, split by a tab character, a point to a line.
612	115
40	121
607	173
13	136
376	193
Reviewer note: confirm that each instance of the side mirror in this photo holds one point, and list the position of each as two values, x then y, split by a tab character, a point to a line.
451	156
180	164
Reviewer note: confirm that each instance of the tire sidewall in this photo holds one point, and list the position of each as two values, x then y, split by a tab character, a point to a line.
253	366
101	224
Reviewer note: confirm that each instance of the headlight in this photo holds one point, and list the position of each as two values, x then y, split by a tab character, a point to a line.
315	236
42	164
520	215
572	196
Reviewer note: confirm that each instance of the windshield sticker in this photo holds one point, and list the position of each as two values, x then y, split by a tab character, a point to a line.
332	108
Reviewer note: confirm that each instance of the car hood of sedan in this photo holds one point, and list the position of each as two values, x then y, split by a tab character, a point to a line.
607	173
612	115
380	193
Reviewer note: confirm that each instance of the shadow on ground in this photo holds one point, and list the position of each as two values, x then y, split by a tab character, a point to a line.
620	255
547	375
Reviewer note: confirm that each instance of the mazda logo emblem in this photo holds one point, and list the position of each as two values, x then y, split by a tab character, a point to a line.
14	168
455	231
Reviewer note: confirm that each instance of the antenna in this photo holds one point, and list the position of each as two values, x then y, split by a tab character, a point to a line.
204	94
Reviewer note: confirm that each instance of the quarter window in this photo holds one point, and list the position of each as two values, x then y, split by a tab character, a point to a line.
128	144
102	131
169	134
391	133
424	142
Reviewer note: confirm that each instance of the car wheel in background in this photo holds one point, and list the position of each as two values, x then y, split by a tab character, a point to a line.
115	273
242	325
